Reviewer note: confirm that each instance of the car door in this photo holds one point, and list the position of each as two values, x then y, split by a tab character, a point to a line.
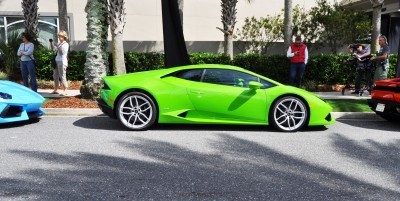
225	94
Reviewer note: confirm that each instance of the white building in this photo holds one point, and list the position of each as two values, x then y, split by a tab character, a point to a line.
143	30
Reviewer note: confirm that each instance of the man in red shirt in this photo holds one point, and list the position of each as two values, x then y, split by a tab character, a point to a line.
298	55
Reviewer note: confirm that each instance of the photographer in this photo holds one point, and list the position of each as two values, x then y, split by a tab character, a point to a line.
60	72
382	59
361	63
358	52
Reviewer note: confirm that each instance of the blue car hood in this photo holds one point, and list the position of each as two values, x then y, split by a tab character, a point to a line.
19	93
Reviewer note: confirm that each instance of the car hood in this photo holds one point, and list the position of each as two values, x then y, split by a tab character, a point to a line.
18	93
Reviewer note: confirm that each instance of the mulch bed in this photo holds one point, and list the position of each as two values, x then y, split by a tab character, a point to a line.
68	102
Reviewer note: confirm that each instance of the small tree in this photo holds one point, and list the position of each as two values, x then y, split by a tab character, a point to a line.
96	65
117	20
260	34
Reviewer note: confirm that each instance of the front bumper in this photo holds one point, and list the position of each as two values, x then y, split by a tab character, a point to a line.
105	108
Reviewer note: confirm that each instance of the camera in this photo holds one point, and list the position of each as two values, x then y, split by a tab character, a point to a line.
50	40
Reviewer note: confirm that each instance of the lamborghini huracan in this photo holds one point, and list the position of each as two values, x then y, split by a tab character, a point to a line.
209	94
18	103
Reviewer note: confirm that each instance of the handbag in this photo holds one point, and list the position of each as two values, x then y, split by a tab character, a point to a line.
53	62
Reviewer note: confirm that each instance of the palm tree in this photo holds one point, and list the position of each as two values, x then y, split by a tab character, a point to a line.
376	23
96	65
228	19
288	23
31	16
117	20
62	15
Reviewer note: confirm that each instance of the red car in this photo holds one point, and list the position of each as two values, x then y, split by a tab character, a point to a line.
385	99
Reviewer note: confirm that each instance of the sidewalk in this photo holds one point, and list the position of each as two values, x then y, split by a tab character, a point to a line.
96	111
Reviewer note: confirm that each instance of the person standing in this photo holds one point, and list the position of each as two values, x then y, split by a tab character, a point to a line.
27	64
382	59
60	72
298	55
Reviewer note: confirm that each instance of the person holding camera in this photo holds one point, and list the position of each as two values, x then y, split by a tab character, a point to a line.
361	63
382	59
298	55
25	51
60	72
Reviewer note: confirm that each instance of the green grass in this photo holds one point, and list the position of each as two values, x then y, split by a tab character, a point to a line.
349	105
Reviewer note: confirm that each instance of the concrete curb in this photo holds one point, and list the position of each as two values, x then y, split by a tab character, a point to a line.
356	115
72	111
97	112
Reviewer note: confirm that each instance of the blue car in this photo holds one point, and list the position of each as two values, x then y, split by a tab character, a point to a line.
18	103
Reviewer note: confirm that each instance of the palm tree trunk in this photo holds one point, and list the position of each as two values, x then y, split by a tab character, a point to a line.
62	15
288	23
376	24
31	16
96	65
117	20
228	19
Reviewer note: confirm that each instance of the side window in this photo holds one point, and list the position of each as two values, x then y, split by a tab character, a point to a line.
218	76
266	84
228	77
193	75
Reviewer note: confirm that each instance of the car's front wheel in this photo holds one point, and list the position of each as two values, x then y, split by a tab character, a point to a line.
136	111
288	114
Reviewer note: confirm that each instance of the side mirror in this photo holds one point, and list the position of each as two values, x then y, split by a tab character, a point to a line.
255	85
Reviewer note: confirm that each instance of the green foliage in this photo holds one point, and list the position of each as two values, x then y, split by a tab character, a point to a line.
209	58
8	52
337	26
321	69
261	33
138	61
3	76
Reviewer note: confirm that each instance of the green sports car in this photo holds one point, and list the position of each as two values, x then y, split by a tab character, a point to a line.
209	94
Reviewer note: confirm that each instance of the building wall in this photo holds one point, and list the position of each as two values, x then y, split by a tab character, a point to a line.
143	30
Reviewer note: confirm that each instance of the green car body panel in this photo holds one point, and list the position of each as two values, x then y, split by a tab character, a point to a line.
183	101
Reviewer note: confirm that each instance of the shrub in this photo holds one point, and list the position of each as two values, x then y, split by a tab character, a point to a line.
321	69
3	76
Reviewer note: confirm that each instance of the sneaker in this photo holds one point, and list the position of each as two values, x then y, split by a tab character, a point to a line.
355	92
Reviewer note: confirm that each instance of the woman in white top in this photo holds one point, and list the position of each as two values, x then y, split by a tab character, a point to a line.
25	51
60	72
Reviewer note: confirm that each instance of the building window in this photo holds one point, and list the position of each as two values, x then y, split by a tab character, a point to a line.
48	27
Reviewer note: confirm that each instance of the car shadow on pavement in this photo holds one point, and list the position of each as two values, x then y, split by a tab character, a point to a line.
105	123
18	123
99	123
231	168
382	125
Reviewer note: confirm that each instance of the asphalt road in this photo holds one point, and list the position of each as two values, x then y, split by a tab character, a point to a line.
95	158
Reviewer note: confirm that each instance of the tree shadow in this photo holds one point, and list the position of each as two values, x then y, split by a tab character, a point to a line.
237	169
383	156
373	125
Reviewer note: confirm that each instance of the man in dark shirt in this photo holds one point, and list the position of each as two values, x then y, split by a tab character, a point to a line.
382	63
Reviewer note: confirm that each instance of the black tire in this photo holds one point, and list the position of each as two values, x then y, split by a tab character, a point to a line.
136	111
288	114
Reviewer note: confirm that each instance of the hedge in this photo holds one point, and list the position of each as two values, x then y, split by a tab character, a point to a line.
321	69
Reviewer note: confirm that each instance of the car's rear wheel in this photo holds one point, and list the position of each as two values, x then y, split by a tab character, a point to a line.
136	111
288	114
